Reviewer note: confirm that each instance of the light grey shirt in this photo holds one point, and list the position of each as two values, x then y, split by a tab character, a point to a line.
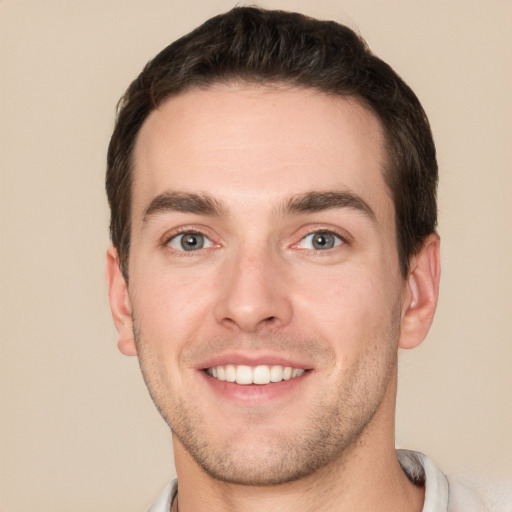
441	495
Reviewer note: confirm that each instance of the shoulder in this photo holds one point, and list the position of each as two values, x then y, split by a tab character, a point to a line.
471	493
462	492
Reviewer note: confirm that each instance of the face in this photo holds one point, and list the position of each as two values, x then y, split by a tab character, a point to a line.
264	288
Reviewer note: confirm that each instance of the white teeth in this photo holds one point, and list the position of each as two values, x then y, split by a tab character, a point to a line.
276	373
261	374
230	373
243	374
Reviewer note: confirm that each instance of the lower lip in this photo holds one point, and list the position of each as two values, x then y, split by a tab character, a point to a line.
254	393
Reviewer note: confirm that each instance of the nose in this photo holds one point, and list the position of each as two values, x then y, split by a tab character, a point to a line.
253	294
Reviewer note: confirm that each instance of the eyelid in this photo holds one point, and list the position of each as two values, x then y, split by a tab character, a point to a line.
337	242
184	230
207	244
345	237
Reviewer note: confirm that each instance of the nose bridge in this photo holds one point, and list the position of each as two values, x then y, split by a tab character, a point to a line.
252	292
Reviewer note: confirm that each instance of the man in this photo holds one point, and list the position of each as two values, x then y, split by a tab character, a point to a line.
273	194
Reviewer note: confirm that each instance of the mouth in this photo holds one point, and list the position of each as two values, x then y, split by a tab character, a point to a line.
260	375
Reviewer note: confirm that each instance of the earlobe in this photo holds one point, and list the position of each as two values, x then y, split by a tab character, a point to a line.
421	293
120	303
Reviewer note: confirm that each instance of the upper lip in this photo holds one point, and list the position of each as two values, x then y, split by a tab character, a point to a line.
252	359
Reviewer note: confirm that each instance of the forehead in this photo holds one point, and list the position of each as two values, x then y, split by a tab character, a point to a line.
246	143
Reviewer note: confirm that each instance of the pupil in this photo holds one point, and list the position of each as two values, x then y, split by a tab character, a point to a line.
192	241
323	241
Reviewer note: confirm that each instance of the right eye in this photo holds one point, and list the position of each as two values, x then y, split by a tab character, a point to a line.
320	241
190	242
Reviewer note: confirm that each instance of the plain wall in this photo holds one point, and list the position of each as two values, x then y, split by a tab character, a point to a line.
78	430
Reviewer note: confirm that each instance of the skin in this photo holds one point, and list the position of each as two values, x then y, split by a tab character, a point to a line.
259	292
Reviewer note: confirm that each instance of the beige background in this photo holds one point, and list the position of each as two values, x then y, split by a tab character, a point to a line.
78	431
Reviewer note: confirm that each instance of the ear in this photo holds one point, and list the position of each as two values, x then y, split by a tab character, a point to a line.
120	303
420	293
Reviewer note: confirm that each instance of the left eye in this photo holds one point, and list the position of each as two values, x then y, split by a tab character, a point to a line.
190	242
320	241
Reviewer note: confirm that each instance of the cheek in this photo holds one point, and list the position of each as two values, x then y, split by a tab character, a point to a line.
352	308
169	306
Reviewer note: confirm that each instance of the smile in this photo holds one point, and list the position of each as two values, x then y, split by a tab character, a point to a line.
261	374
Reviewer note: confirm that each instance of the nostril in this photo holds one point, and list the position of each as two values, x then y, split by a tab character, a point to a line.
269	319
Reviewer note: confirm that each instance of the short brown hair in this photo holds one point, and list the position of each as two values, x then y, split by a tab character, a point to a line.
261	46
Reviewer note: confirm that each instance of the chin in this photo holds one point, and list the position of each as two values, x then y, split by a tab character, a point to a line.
271	456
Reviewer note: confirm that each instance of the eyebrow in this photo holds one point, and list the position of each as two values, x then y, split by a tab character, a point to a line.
183	202
309	202
319	201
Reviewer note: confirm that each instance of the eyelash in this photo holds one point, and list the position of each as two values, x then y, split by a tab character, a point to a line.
343	239
185	231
